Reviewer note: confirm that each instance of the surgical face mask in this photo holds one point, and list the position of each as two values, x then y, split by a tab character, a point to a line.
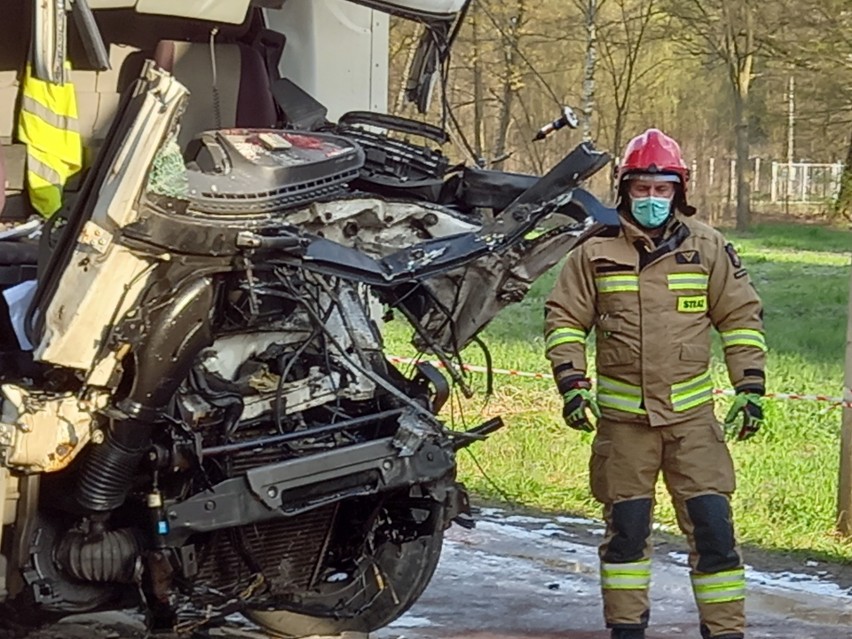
651	212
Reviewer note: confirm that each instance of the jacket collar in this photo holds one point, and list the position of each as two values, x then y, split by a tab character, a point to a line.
634	233
649	250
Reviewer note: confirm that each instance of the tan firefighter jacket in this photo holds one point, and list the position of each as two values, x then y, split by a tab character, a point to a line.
652	309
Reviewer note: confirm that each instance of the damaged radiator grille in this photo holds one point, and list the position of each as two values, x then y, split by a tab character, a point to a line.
287	551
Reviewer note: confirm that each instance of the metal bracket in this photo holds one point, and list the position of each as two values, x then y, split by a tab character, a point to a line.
272	491
95	236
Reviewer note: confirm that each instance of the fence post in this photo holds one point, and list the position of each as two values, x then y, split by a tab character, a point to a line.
756	188
773	187
844	501
732	186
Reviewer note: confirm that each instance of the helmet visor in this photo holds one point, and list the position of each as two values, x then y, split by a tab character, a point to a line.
652	177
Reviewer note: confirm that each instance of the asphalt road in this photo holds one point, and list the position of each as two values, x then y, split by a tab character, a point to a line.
517	577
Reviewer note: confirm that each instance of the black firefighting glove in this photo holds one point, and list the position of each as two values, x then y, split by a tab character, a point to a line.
579	402
749	404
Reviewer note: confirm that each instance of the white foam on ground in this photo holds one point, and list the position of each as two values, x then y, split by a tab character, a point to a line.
549	533
410	621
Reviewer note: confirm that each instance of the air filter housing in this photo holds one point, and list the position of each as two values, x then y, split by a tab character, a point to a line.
251	171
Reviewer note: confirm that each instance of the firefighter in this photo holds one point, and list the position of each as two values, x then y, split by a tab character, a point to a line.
651	289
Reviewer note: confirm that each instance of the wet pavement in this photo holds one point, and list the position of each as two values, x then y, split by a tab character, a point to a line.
530	576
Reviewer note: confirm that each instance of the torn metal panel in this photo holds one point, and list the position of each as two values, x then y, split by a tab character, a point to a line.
103	280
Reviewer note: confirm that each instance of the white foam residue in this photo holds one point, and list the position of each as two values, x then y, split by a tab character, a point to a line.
410	621
681	559
797	582
555	532
791	581
489	512
522	519
495	529
555	537
577	521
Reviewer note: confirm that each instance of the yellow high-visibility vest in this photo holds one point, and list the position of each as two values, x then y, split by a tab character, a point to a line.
49	127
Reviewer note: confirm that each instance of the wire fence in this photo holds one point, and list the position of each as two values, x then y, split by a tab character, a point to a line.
799	182
776	188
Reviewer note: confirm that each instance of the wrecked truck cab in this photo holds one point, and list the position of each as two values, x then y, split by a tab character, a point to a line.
212	419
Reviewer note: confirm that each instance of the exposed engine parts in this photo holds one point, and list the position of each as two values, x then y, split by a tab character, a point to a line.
111	557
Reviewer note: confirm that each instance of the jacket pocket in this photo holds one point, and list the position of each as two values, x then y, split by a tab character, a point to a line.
612	353
607	325
598	471
695	352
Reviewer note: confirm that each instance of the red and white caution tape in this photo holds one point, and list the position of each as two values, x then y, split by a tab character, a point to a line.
470	368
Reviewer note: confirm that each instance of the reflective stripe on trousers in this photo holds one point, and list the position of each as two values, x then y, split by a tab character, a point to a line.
720	587
632	576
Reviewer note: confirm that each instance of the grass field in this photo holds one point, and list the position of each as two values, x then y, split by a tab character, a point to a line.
787	476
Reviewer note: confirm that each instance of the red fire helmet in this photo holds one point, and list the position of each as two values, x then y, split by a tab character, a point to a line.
653	152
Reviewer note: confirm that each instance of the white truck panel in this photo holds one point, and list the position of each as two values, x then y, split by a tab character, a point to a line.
435	7
337	51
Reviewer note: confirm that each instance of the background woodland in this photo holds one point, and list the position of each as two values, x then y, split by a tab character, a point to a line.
740	83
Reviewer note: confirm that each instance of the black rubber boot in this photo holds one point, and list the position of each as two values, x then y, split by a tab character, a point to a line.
705	634
627	633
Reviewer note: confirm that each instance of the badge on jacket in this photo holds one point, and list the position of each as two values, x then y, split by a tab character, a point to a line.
736	262
688	257
692	304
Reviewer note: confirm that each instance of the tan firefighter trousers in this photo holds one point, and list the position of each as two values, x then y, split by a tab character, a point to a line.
626	460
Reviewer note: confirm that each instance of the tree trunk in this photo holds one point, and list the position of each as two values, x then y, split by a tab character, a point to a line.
589	68
399	102
617	136
510	81
478	92
843	206
741	77
743	165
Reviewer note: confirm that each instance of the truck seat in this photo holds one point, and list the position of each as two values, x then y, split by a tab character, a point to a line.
240	95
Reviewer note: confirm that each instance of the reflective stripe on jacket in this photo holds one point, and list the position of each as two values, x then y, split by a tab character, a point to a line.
48	126
652	310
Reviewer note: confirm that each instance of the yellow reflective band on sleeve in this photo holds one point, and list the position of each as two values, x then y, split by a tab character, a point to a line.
692	392
744	337
688	281
632	576
559	336
617	283
720	587
692	304
618	395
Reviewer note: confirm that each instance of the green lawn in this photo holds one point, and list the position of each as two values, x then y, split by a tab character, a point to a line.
787	476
